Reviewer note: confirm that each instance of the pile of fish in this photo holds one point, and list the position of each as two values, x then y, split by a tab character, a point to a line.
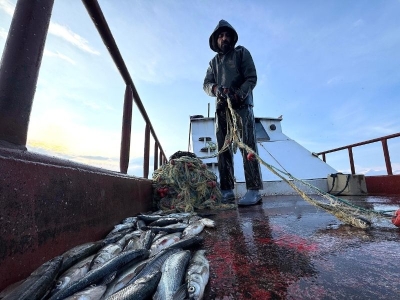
150	256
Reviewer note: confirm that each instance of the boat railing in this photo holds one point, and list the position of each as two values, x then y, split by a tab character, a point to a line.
131	93
14	124
349	148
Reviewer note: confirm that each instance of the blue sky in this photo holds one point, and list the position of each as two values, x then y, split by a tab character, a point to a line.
331	68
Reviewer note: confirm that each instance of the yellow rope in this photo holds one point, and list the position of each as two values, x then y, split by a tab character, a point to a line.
189	182
344	211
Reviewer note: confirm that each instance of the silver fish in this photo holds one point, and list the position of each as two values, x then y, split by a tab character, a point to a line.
196	225
124	277
122	241
38	283
96	275
155	263
146	238
73	274
178	227
140	224
173	273
160	234
193	229
113	238
208	222
141	289
180	215
186	242
197	275
104	255
76	254
129	220
133	234
164	242
94	292
192	219
165	221
133	243
122	227
149	218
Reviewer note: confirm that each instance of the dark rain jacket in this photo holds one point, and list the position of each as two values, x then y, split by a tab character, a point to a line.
234	69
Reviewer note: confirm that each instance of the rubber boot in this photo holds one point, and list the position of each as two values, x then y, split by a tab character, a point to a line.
250	198
228	197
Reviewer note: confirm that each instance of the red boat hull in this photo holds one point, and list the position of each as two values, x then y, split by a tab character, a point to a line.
48	206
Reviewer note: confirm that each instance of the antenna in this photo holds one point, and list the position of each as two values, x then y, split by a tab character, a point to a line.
208	110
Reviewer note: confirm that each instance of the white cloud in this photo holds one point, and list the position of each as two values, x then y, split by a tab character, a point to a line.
7	7
59	55
71	37
378	170
55	29
61	131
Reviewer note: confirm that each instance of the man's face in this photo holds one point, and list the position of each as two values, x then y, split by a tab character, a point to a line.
224	41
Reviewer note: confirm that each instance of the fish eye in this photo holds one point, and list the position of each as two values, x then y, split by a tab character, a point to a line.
59	283
191	289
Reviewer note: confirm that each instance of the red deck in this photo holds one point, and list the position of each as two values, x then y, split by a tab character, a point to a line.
288	249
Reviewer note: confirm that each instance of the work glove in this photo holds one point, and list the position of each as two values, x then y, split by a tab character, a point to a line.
237	96
219	92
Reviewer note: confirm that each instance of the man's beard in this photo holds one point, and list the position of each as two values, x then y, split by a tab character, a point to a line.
225	47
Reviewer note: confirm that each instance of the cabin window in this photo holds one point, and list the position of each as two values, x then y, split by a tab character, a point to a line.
261	134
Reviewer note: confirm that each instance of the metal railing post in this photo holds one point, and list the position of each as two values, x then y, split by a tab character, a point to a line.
126	130
387	157
146	155
353	170
161	159
20	65
155	156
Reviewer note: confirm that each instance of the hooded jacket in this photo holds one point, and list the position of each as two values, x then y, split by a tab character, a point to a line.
234	69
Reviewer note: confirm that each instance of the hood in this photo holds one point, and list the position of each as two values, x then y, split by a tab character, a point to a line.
222	25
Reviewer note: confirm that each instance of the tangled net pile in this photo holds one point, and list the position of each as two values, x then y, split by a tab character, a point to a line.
184	184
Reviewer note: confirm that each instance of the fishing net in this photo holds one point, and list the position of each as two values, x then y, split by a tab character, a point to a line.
342	209
185	184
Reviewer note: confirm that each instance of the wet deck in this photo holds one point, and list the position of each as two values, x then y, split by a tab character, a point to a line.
286	248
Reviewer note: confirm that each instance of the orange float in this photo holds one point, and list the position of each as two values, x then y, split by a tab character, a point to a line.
396	218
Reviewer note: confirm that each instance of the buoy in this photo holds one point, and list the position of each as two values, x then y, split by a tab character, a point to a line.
396	218
250	156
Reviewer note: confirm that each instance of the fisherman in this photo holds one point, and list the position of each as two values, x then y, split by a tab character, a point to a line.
231	73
